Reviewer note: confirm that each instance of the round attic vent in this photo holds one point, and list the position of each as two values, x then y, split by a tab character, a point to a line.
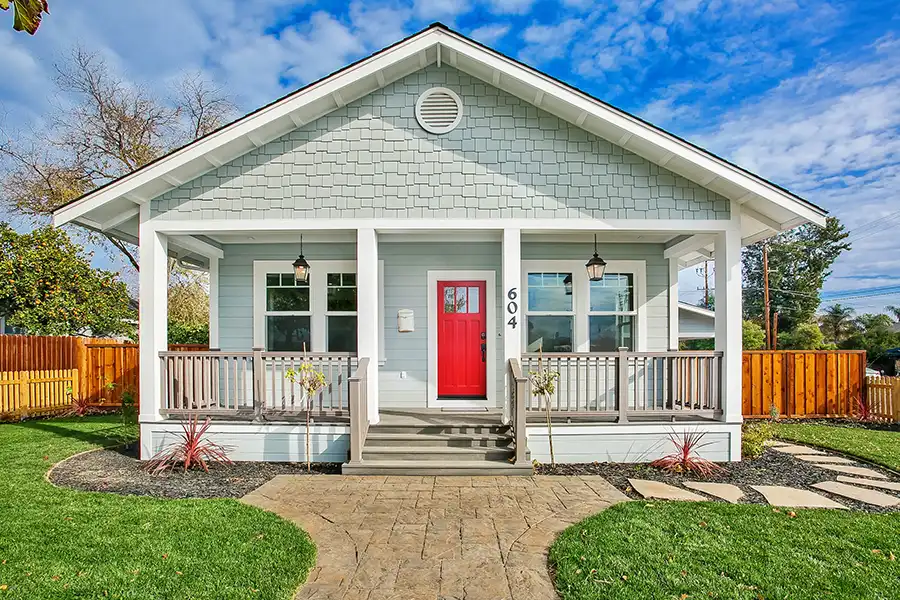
438	110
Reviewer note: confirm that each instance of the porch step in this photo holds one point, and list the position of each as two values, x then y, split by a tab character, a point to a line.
409	467
425	454
472	429
378	439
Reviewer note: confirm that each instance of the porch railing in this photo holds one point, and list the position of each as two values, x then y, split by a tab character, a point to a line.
650	384
517	395
251	384
359	410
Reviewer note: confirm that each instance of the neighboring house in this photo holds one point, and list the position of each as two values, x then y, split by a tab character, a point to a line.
695	322
7	329
448	198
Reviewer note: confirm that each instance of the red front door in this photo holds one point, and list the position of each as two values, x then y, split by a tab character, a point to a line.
462	339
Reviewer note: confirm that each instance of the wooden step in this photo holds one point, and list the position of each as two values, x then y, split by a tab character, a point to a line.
424	454
409	467
452	440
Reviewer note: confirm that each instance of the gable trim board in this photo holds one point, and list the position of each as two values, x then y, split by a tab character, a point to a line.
774	204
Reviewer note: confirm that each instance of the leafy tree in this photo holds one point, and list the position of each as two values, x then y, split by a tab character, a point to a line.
837	323
752	335
799	262
49	287
895	312
805	336
182	333
188	301
107	127
27	13
875	334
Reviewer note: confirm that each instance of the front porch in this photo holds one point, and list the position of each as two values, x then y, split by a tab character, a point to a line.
371	318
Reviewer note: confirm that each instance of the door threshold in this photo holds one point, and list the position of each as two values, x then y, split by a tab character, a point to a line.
463	409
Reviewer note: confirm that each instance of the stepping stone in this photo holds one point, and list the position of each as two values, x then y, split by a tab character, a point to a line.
793	449
725	491
778	495
858	493
774	444
818	458
861	471
885	485
662	491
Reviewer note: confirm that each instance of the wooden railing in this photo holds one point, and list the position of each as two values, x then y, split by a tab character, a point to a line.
518	385
251	385
652	384
359	410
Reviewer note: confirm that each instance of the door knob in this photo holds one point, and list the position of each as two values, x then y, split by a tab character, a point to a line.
483	349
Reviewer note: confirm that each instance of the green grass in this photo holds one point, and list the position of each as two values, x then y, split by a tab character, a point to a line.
59	543
879	447
688	551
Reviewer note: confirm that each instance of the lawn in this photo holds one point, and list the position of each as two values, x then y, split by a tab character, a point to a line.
688	551
58	543
879	447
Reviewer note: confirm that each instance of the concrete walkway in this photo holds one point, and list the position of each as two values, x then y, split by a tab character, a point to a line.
447	538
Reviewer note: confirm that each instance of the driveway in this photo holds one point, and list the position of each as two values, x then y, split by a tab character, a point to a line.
448	538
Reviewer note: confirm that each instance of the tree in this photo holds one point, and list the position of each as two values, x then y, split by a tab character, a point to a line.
805	336
188	301
49	287
27	13
752	336
107	128
875	334
799	262
837	323
895	312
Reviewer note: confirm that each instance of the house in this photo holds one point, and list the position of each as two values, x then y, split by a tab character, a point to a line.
695	322
430	224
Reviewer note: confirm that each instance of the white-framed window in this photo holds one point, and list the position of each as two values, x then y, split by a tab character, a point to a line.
340	312
288	313
566	312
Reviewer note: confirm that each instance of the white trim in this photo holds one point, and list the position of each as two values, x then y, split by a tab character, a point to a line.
120	218
154	277
697	309
511	280
685	226
729	318
198	246
370	325
673	304
214	303
692	244
489	277
581	297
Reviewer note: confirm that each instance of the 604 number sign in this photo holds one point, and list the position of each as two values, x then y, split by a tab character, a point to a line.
512	307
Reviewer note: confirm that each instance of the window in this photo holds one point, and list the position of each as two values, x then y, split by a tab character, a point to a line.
549	312
563	311
340	315
611	315
288	316
461	300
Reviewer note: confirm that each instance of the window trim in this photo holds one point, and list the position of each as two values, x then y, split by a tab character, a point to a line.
581	298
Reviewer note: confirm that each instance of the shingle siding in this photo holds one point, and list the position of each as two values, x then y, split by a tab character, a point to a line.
506	159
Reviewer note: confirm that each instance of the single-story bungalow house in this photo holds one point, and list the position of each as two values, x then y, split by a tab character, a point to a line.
428	226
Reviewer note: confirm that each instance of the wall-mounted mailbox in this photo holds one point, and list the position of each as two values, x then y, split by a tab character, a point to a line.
405	320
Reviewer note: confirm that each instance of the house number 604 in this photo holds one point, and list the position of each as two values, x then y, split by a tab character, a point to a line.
512	307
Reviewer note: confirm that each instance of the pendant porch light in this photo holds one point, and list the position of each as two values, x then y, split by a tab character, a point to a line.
301	267
596	266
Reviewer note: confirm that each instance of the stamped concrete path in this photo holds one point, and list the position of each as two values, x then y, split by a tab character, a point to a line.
447	538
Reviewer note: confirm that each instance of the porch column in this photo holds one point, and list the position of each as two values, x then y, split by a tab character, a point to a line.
729	314
368	321
154	283
673	304
214	303
511	281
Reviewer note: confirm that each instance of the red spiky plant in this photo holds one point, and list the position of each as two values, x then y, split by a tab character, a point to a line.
79	407
685	459
863	412
190	450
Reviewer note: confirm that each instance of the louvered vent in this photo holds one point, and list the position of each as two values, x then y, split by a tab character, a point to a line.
439	110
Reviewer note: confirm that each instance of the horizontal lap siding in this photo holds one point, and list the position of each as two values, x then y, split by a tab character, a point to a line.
406	267
236	283
657	277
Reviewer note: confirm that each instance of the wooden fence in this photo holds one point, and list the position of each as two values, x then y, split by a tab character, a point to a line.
42	373
803	384
883	398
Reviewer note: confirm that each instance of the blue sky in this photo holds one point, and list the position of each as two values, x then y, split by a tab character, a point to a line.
805	93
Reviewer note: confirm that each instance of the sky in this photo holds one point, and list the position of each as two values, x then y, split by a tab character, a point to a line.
805	93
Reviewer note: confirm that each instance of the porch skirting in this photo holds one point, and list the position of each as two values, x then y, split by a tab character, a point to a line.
268	442
630	442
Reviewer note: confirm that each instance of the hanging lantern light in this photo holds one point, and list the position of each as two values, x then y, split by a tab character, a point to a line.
596	266
301	267
567	283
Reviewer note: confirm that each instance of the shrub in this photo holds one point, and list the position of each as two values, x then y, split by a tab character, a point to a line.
754	437
862	412
190	450
684	459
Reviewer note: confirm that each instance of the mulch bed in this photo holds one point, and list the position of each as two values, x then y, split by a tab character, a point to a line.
120	472
772	468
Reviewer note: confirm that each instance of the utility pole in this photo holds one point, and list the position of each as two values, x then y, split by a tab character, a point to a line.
704	270
765	260
775	333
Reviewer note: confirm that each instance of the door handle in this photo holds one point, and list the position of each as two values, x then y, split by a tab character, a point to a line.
483	349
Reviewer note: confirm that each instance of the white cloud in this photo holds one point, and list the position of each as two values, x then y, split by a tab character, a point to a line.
511	7
490	34
440	10
544	43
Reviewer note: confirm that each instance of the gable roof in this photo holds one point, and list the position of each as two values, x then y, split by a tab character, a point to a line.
766	207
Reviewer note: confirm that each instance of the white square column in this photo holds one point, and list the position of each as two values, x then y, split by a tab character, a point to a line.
674	338
511	301
367	315
154	285
214	304
729	317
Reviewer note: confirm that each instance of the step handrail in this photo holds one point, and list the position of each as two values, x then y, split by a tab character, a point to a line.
359	410
517	390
